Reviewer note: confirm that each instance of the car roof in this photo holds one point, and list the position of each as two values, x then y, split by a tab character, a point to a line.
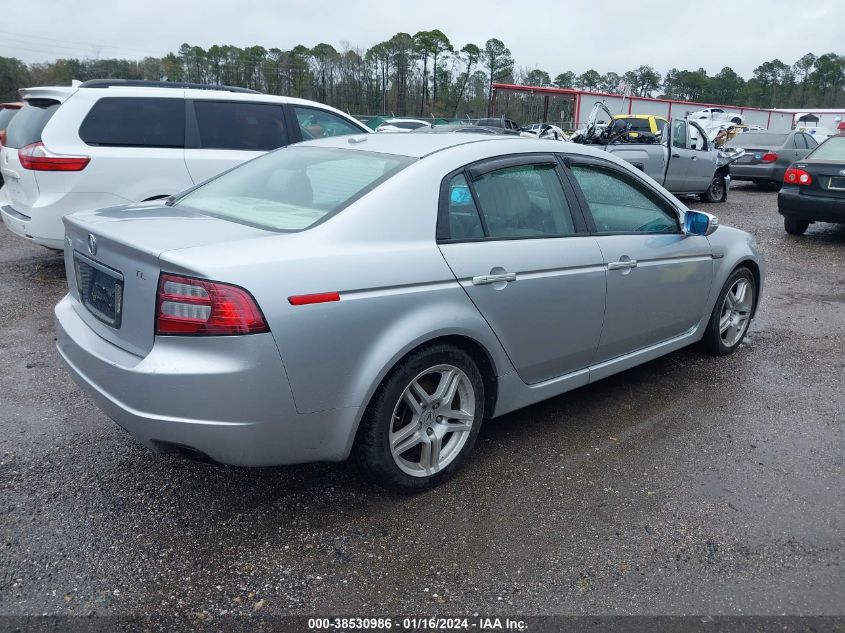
421	144
638	116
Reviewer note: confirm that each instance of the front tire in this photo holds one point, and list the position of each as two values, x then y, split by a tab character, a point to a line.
794	226
717	191
422	421
731	315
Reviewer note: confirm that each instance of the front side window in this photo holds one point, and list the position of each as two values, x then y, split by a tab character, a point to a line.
294	188
679	133
316	123
810	141
524	201
135	122
619	204
257	127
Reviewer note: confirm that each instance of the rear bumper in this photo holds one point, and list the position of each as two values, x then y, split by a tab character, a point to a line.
773	173
792	203
42	223
226	397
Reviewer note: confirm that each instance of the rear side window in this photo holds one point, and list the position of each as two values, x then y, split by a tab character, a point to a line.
135	122
315	123
257	127
27	125
524	201
464	222
293	188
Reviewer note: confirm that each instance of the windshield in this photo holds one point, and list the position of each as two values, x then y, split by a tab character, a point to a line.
832	149
293	188
757	139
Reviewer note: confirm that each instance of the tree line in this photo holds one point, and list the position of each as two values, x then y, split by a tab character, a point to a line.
427	75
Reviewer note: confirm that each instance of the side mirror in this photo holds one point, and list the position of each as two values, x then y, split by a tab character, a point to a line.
700	223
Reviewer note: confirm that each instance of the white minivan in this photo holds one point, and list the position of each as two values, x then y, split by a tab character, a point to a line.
104	143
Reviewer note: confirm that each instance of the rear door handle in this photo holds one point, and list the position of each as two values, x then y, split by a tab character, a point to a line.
621	265
676	155
491	279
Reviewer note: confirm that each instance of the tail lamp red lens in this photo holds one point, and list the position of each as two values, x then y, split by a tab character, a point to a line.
769	157
36	157
796	176
197	307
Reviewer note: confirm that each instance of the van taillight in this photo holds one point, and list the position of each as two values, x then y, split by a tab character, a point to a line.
197	307
795	176
36	157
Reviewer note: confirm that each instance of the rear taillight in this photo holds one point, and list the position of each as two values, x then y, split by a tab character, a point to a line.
769	157
38	158
2	138
795	176
197	307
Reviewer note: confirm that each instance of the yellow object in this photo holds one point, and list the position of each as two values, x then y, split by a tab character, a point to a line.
655	123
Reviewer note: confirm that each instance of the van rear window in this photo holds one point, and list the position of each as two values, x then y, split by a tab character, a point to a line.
26	126
135	122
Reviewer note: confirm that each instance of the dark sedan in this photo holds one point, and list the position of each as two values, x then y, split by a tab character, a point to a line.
814	188
768	154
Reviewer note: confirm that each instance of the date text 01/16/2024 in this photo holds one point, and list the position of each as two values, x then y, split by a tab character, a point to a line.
416	624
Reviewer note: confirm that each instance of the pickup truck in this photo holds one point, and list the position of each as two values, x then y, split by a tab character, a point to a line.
682	159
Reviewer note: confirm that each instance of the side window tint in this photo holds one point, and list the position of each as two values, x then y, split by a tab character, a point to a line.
798	142
257	127
811	142
316	123
135	122
619	204
524	201
464	222
679	133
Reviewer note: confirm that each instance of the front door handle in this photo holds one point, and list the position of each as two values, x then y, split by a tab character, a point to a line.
676	155
622	265
491	279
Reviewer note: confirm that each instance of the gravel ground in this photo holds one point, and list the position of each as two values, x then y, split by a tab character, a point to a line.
688	485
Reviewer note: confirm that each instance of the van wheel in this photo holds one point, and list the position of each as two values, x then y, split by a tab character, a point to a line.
794	226
423	420
716	192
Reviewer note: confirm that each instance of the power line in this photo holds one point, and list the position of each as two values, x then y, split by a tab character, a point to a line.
36	39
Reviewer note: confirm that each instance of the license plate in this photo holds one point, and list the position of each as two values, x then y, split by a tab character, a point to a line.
100	289
837	183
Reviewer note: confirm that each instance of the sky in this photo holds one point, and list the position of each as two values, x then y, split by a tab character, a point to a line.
552	35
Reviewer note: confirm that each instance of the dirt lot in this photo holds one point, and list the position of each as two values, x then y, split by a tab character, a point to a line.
688	485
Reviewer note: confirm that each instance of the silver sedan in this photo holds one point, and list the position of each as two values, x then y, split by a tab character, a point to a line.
380	296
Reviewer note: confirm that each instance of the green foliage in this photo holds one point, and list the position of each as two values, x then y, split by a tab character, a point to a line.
425	74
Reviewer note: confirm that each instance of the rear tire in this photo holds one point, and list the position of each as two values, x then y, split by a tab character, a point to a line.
731	316
423	420
794	226
717	191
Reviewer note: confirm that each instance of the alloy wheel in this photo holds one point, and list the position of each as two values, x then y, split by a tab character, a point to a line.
432	420
736	312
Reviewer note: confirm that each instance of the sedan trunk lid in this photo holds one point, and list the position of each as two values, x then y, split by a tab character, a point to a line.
112	264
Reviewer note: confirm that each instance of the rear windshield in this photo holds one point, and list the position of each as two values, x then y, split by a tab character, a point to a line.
27	125
638	125
832	149
6	115
757	139
295	187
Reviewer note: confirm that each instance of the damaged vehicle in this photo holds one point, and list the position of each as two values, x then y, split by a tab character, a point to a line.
682	159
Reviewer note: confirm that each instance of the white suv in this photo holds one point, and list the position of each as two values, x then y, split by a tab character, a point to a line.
104	143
